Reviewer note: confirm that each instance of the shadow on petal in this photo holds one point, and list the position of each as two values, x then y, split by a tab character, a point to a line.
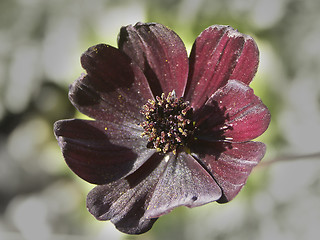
114	86
125	201
246	115
233	113
210	122
232	166
160	53
98	155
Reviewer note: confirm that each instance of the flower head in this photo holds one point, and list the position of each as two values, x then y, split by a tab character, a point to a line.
168	130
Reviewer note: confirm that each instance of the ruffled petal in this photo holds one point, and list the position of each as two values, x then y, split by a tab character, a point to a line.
101	152
113	88
230	164
219	53
125	201
184	183
233	112
160	53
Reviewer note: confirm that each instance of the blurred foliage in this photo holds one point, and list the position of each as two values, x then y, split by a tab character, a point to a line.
40	45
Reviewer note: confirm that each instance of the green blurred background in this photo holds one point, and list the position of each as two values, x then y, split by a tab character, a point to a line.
40	45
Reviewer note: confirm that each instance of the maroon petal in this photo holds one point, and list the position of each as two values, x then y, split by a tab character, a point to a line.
125	201
219	53
184	183
160	53
101	152
161	184
114	87
233	112
230	165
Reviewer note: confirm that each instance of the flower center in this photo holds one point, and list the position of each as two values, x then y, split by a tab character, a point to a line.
168	124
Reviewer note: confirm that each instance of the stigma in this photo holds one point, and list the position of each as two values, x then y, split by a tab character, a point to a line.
168	123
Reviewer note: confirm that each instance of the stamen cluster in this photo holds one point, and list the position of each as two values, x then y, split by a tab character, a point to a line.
168	123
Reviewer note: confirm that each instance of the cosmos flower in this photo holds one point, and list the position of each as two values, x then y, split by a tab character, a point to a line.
167	130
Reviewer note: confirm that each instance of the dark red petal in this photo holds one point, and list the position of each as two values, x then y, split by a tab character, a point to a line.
125	201
114	87
231	164
160	53
101	152
219	53
184	183
236	107
158	186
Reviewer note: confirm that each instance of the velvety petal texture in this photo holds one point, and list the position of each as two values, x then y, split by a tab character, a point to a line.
160	185
101	152
230	165
233	112
125	201
160	53
167	130
219	53
183	183
114	87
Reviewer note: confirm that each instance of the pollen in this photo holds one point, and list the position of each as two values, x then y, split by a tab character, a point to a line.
168	123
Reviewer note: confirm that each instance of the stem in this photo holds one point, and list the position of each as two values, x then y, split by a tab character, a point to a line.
285	158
